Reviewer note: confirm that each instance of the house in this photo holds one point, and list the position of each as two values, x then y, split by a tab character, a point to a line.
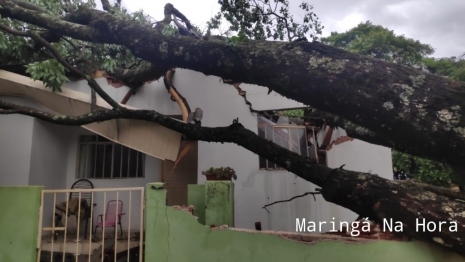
38	153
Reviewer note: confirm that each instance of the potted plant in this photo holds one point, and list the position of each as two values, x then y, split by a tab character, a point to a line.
220	173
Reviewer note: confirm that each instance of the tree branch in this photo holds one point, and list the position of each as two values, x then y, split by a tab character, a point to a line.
31	6
366	194
92	83
417	111
135	78
353	130
106	5
175	95
377	95
292	198
9	112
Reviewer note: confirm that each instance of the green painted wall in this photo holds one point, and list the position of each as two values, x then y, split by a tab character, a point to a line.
19	221
219	203
176	236
196	198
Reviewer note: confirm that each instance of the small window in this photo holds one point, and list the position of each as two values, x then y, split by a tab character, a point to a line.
100	158
292	137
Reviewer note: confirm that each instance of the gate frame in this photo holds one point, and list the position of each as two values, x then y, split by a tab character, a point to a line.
53	229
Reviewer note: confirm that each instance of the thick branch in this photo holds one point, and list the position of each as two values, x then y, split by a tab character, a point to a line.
416	113
92	83
419	113
106	5
352	129
30	6
366	194
135	78
175	95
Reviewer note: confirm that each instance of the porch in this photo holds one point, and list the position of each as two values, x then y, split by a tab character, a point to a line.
107	225
73	249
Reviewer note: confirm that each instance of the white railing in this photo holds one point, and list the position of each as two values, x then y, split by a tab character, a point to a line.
92	246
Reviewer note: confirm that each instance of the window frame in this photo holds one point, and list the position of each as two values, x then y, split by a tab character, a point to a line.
94	141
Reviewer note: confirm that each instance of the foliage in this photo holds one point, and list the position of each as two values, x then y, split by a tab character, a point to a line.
382	43
39	63
250	19
293	112
220	172
422	170
169	30
50	71
448	67
265	19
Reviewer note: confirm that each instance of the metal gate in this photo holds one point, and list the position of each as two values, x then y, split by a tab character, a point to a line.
59	239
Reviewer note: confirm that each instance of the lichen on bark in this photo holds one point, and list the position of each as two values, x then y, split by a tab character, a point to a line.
332	66
163	49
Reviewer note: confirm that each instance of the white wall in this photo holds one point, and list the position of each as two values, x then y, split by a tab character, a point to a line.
221	104
15	144
48	164
39	153
361	156
152	174
254	188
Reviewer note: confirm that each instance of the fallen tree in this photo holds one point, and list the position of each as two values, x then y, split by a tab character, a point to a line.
375	101
380	96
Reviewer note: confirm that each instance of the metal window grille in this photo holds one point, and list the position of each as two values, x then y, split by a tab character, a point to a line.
101	158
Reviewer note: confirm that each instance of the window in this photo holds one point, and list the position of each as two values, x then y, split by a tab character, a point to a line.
100	158
292	137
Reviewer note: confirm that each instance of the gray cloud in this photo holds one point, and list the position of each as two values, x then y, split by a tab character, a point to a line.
435	22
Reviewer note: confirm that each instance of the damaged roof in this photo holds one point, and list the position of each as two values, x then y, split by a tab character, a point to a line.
147	137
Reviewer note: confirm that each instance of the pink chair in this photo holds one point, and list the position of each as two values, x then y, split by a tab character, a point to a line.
111	219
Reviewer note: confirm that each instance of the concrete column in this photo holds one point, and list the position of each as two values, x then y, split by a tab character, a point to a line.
19	223
219	203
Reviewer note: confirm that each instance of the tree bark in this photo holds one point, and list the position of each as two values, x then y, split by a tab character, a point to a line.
366	194
135	78
409	110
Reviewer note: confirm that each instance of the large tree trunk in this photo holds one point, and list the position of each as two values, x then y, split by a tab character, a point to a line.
398	107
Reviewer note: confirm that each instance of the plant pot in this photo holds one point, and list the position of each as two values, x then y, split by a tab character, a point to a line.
215	178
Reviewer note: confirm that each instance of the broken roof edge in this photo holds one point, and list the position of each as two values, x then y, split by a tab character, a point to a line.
338	141
91	130
132	133
65	92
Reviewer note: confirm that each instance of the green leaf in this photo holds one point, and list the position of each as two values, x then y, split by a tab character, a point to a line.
51	72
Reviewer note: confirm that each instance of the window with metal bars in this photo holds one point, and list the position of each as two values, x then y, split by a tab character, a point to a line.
292	137
101	158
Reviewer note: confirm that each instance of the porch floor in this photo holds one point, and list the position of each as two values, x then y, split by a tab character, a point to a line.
83	246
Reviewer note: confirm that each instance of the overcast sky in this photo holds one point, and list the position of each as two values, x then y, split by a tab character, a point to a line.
439	23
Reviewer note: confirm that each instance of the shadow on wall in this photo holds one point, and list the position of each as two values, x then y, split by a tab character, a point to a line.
179	237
